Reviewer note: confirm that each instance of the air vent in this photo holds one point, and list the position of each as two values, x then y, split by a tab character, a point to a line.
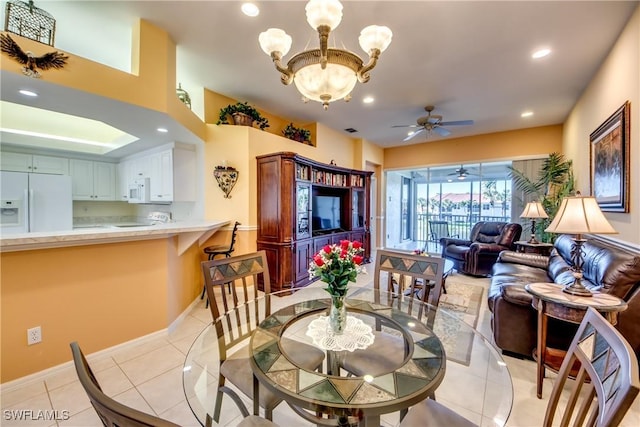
351	130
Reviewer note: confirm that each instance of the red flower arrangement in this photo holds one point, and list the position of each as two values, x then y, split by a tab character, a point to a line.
337	265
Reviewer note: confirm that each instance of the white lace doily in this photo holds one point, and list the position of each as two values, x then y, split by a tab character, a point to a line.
356	335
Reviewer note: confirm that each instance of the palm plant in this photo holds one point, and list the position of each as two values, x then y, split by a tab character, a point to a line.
555	182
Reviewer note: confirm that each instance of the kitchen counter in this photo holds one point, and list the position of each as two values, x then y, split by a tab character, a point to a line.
188	233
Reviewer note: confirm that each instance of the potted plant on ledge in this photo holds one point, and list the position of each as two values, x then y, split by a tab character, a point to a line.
243	114
297	134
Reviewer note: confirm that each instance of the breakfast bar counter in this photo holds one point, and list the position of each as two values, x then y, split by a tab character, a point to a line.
188	232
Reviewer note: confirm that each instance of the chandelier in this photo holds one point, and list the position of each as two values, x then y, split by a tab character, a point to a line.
325	74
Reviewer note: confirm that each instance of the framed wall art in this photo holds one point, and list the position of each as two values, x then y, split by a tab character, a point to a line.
610	148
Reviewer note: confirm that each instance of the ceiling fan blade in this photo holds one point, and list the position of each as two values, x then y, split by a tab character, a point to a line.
413	134
441	131
457	123
405	126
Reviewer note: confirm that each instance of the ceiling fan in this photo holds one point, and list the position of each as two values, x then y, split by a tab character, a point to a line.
461	173
432	123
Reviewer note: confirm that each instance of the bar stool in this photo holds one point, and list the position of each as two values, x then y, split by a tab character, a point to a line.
226	250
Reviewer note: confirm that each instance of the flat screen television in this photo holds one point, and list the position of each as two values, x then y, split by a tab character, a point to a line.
325	213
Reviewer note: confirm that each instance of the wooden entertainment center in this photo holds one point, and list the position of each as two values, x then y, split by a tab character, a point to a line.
304	205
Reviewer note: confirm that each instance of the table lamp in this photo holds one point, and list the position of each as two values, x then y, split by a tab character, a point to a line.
533	210
578	215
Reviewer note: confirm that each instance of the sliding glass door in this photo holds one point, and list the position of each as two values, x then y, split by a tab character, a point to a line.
446	201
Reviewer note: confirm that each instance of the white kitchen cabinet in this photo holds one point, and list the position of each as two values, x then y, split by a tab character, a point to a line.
161	176
125	176
20	162
93	180
140	167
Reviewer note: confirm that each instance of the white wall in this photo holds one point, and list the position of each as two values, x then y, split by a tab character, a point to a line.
617	81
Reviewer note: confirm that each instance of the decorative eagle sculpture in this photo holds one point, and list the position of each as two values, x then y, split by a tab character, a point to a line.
29	60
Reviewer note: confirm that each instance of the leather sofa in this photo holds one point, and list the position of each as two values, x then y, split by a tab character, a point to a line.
606	268
477	255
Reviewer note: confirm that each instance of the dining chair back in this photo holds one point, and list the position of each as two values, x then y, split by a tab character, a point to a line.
606	383
237	310
405	281
111	412
404	276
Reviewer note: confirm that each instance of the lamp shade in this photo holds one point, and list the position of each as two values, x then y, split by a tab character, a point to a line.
579	215
324	12
375	37
275	40
534	210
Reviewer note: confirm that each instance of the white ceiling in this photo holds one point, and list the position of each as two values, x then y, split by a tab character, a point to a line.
469	59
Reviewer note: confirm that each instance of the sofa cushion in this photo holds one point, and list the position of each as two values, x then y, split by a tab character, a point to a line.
515	293
484	238
456	251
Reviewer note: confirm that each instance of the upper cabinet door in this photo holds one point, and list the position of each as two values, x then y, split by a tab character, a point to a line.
104	181
82	179
51	165
93	180
16	162
161	176
20	162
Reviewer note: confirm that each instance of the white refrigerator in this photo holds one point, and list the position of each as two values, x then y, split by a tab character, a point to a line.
35	202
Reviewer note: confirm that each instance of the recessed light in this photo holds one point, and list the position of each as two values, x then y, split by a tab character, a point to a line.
368	99
27	92
250	9
540	53
163	130
527	114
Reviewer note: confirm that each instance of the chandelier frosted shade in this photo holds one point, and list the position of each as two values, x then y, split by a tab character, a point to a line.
325	85
324	12
375	37
275	40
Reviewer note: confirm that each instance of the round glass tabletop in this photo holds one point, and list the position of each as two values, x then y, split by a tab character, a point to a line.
434	352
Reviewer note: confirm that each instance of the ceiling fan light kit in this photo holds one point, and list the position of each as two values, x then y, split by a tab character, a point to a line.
325	74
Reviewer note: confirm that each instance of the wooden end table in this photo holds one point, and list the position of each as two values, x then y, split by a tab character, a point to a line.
533	248
550	301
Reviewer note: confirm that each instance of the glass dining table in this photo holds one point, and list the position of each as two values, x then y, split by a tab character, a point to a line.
437	355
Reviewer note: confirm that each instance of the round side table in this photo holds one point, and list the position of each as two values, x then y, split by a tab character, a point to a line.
550	301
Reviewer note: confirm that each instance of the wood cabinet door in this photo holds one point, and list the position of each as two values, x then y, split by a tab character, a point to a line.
303	254
303	210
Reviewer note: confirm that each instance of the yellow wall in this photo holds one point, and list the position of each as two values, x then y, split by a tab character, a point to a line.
616	81
521	143
153	86
214	102
99	295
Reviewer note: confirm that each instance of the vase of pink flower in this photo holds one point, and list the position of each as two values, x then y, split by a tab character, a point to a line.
337	265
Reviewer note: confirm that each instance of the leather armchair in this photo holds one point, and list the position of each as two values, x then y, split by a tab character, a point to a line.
477	255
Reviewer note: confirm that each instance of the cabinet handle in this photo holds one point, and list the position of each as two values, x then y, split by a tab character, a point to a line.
35	167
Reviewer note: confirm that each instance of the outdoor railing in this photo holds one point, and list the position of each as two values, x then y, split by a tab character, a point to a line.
459	226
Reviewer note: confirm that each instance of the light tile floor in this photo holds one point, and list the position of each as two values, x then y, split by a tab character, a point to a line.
148	376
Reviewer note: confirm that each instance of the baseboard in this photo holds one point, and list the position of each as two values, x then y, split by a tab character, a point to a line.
41	375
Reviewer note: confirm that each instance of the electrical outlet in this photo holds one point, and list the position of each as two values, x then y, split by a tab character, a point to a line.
34	335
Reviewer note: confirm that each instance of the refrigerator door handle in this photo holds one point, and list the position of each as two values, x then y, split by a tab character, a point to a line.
30	209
